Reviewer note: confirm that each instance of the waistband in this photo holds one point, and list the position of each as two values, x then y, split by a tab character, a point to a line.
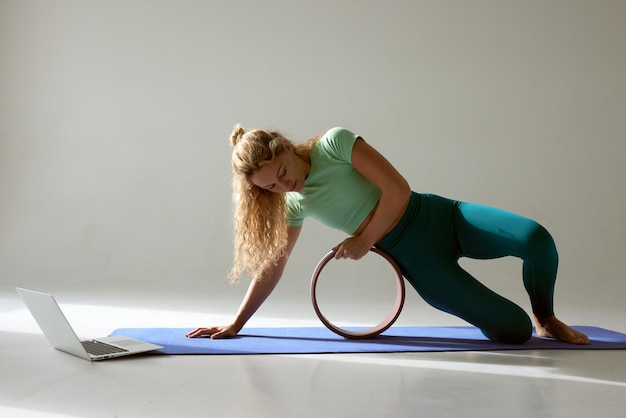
415	220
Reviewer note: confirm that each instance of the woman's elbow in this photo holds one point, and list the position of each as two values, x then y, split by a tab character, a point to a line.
401	189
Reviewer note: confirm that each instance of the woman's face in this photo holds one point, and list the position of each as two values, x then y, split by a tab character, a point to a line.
286	173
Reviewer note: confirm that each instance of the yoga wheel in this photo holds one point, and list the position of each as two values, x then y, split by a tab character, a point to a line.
360	332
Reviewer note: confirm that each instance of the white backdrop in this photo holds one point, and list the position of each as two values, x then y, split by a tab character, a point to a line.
115	118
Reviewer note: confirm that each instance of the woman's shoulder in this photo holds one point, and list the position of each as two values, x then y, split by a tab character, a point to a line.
339	133
338	141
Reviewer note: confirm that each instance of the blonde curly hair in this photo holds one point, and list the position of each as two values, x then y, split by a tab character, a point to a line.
260	216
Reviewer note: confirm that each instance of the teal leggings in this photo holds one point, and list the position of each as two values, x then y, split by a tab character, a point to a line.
435	232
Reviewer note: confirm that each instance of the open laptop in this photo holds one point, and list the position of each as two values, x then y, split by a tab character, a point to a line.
59	332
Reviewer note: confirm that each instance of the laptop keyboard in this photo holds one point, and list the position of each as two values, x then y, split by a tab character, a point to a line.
97	348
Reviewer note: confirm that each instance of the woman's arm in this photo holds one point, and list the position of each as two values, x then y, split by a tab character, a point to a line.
258	291
395	195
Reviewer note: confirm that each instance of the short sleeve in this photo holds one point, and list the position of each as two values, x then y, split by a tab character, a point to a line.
294	212
339	142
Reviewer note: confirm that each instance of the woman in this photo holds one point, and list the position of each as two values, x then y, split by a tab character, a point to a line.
345	183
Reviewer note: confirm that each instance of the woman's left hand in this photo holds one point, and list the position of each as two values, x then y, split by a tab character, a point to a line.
354	248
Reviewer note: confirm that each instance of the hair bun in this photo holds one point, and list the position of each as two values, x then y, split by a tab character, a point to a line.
238	133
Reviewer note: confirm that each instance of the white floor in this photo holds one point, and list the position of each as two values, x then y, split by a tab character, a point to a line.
37	381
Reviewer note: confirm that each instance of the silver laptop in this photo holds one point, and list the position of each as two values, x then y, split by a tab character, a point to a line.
59	332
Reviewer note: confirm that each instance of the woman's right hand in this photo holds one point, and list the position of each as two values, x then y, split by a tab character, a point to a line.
213	332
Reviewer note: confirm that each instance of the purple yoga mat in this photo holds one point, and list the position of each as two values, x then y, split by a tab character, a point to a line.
311	340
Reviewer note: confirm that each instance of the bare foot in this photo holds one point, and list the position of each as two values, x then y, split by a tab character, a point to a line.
551	327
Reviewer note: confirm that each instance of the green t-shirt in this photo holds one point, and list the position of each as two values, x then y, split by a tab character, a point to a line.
334	192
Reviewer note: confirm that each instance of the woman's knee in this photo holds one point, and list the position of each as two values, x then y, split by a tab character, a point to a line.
540	240
498	318
512	328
